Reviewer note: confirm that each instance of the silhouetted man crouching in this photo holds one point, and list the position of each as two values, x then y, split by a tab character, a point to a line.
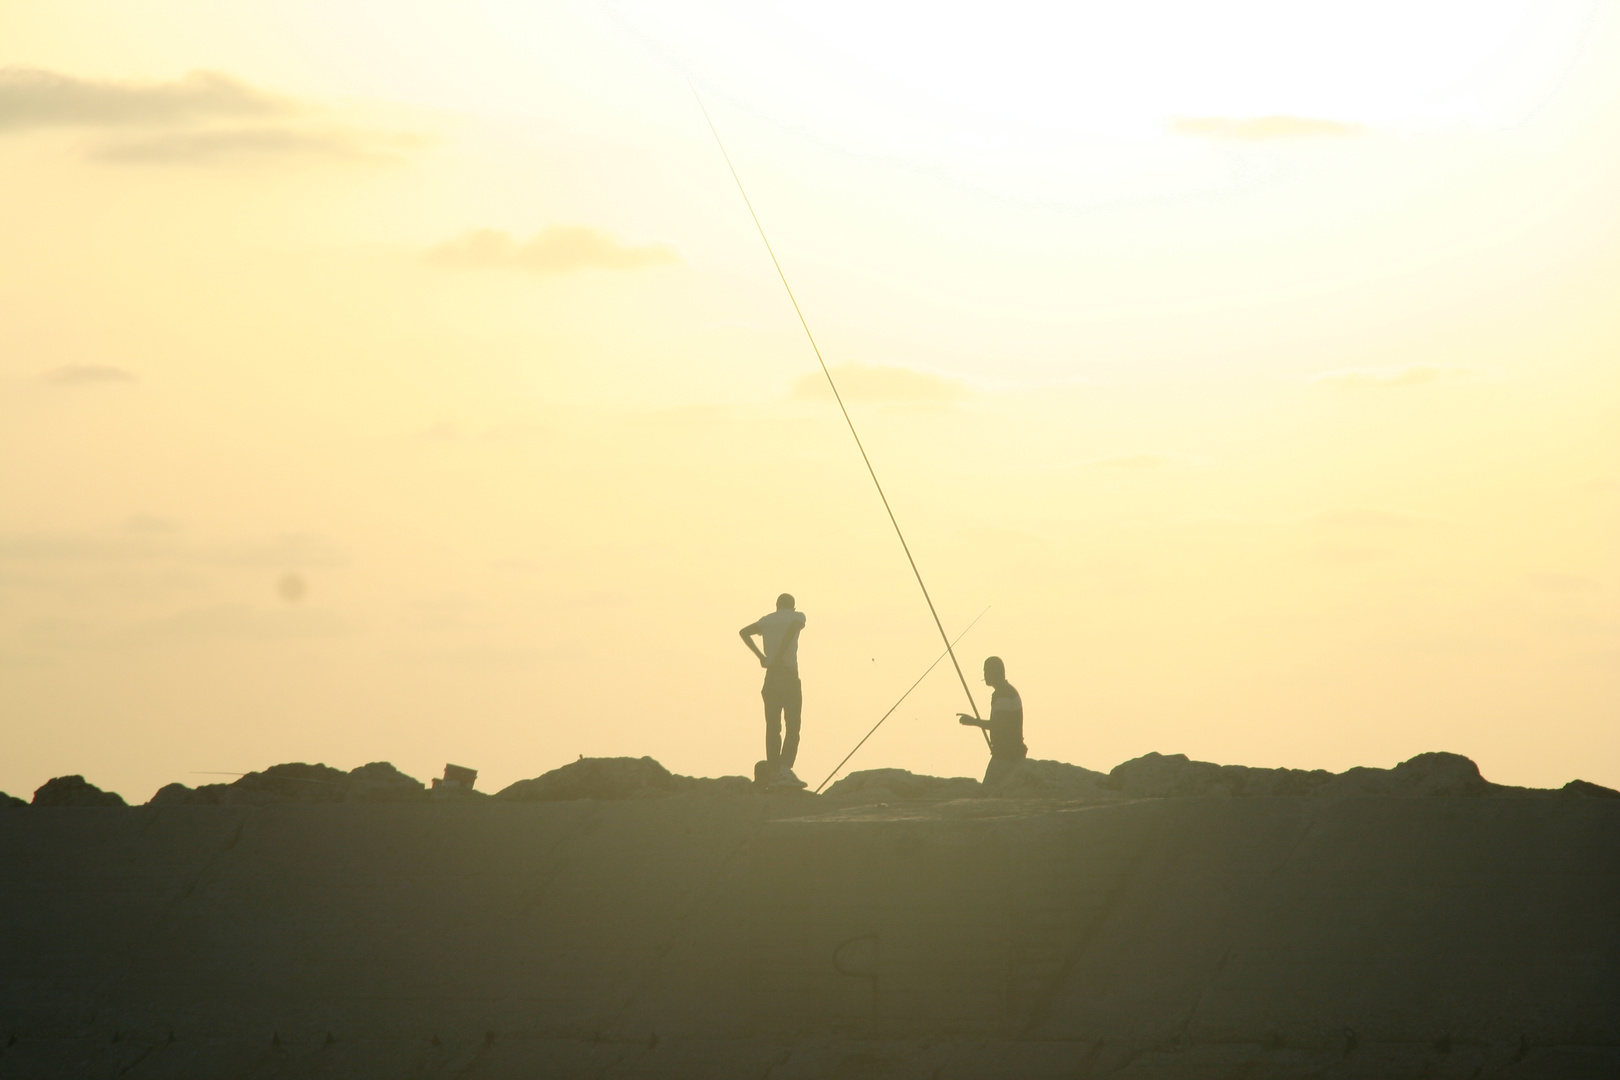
1006	725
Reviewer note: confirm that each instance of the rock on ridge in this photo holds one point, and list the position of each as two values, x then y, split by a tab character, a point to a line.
901	785
1426	774
1154	776
1583	789
74	791
1158	776
297	782
619	778
1043	779
1035	779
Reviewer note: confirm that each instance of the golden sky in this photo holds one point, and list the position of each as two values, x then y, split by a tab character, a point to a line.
405	381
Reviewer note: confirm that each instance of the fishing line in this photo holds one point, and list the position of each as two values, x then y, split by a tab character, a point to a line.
896	705
951	652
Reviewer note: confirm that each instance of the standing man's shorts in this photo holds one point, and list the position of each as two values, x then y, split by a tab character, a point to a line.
783	697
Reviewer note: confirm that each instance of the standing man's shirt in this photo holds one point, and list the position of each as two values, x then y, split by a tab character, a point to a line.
779	632
1006	724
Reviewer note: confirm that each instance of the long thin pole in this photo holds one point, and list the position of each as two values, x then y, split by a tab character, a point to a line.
840	399
897	704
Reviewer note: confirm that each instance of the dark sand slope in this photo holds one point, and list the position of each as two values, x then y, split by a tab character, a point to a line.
776	937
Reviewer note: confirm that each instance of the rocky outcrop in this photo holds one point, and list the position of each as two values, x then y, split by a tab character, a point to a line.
379	781
620	778
714	786
1426	774
1040	779
1581	789
595	778
1032	779
74	791
296	782
1159	776
899	785
8	802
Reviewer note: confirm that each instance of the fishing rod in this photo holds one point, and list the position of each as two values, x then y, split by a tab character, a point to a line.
951	652
896	705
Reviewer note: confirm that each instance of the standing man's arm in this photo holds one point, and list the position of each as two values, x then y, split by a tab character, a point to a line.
747	634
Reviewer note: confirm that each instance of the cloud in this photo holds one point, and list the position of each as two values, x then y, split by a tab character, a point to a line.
151	540
151	523
1361	536
1365	519
202	118
256	144
997	536
685	416
444	431
877	382
1387	377
1260	128
1563	583
232	622
1348	554
484	656
223	622
85	374
560	249
32	98
1132	462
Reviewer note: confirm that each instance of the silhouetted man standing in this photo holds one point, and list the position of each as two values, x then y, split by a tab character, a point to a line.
783	696
1006	725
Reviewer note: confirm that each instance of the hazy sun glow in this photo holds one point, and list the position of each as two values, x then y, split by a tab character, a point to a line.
405	381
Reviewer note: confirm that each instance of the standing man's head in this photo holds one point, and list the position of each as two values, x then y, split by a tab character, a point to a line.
995	672
784	602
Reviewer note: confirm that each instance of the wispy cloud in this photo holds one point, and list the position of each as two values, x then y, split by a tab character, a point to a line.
1131	462
1564	583
32	98
86	374
996	536
1363	519
203	118
151	523
230	622
1363	535
483	656
560	249
1261	128
145	539
256	144
226	622
1348	554
878	382
1364	378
